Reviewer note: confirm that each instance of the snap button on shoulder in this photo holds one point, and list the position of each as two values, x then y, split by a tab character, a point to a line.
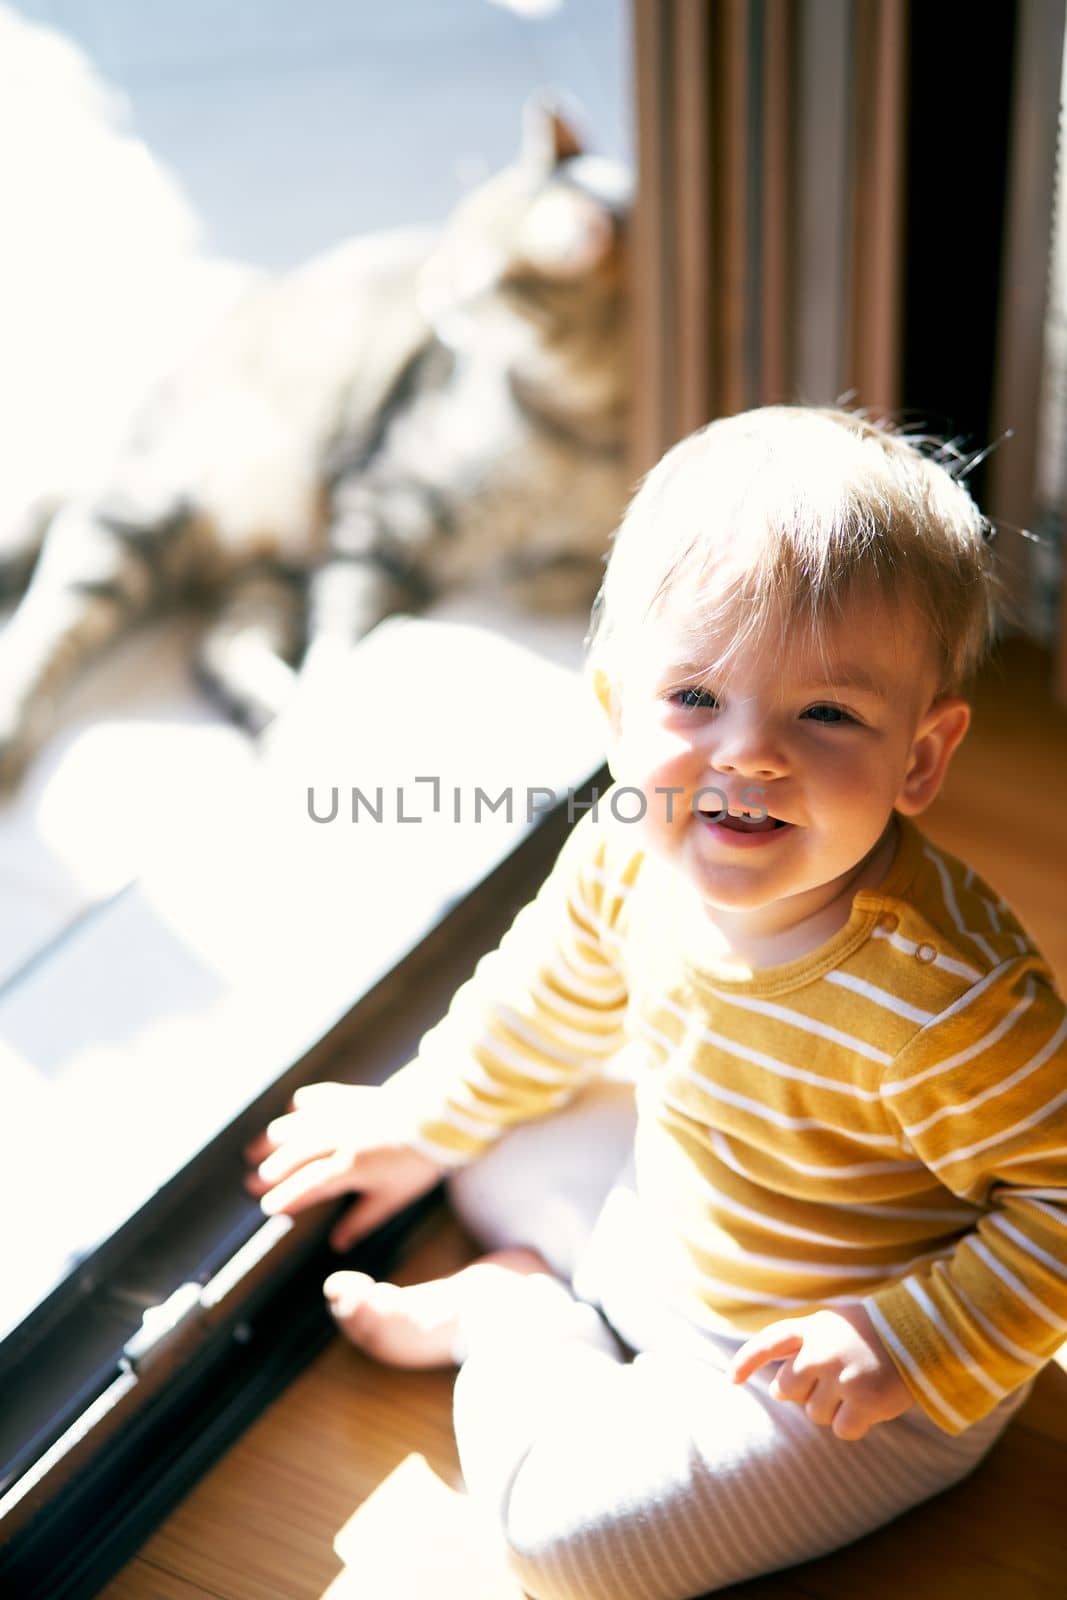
889	921
926	953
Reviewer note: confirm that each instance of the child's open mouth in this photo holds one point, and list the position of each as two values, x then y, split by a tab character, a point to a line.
741	828
745	824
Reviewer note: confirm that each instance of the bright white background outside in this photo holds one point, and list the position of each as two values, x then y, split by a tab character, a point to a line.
154	160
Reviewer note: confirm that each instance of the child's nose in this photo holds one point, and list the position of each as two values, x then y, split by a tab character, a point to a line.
749	751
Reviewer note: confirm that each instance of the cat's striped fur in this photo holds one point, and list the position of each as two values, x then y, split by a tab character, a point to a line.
413	412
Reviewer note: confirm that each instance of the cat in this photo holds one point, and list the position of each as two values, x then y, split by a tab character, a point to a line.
414	412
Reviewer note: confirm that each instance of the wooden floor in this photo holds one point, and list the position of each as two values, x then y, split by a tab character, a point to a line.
349	1485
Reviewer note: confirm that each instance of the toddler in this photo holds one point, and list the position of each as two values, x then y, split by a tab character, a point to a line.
761	1106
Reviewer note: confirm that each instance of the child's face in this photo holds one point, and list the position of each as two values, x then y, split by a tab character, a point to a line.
827	742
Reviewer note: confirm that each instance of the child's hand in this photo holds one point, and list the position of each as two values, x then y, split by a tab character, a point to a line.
339	1137
838	1369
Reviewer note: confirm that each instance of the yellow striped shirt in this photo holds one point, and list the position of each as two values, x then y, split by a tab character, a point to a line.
883	1120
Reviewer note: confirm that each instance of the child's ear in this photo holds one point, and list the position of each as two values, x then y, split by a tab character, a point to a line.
939	732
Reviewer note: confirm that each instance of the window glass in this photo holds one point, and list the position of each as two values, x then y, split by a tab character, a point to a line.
167	157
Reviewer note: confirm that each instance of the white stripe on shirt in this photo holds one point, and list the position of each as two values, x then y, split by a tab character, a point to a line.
1054	1264
505	1056
588	1018
735	1291
796	1019
962	1354
779	1119
1000	1087
1021	1126
1010	1281
813	1269
768	1222
908	947
880	997
904	1357
970	1051
566	1044
581	965
596	993
1024	1357
954	910
858	1169
1036	1197
758	1058
969	996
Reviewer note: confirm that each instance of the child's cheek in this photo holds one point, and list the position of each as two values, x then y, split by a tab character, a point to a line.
650	754
656	778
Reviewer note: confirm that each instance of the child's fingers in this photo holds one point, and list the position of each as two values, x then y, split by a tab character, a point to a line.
322	1098
823	1402
851	1421
318	1180
277	1131
309	1093
313	1145
333	1097
781	1339
788	1384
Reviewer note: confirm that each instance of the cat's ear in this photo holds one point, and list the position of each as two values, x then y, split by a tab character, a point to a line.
548	136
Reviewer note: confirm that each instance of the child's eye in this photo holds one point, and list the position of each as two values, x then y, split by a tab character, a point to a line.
694	699
828	714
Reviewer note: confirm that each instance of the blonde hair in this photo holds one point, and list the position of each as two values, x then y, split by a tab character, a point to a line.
765	523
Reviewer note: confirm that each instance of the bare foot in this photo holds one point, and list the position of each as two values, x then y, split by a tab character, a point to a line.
417	1325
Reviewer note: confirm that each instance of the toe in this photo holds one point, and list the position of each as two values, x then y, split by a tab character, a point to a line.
345	1290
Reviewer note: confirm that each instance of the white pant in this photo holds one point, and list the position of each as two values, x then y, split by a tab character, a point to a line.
654	1478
